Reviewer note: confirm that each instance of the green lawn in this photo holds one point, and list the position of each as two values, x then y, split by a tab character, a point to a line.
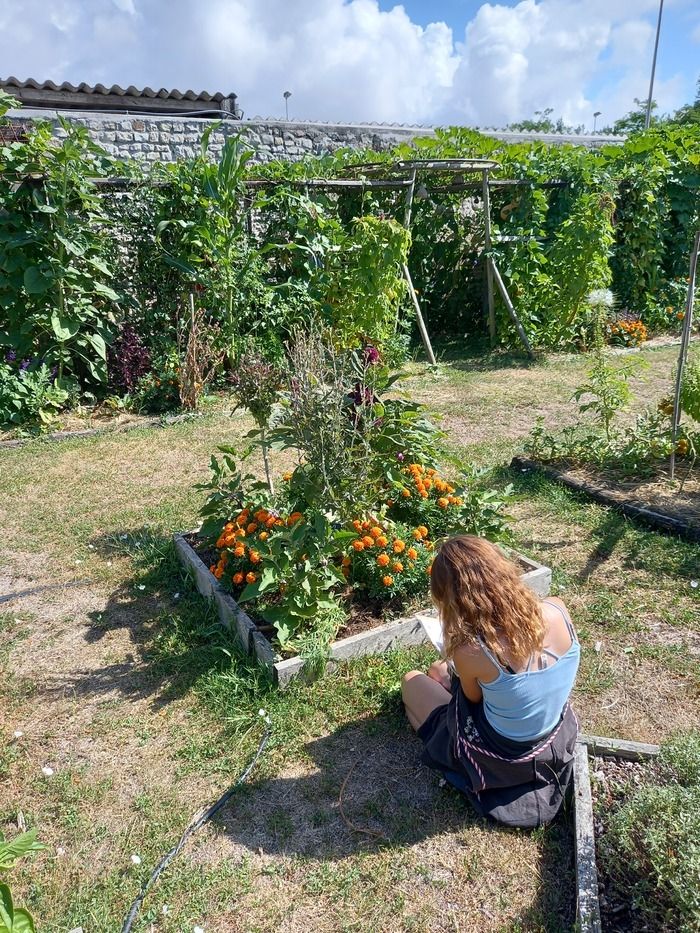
123	684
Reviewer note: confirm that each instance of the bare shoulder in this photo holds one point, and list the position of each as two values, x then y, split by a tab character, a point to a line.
556	614
470	660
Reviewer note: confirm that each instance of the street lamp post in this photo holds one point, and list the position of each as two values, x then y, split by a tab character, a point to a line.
595	118
286	95
647	119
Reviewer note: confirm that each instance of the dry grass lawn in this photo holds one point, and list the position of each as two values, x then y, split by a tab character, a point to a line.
122	684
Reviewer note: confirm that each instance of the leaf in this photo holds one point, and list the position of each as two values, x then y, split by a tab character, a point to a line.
23	922
36	282
64	327
98	344
7	912
18	847
101	289
75	248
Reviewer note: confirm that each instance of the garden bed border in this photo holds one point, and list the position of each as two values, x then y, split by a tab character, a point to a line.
405	632
163	422
659	521
587	895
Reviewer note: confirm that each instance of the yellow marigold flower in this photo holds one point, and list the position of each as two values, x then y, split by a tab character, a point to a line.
368	541
358	545
406	493
397	566
387	580
264	535
443	502
382	541
250	577
412	553
286	477
383	560
376	532
399	546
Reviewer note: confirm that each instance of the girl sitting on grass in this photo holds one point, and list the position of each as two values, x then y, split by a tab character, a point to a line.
500	728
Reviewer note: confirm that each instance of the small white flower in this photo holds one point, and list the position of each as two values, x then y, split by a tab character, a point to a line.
109	563
142	586
18	733
694	584
46	771
261	713
135	860
60	851
165	909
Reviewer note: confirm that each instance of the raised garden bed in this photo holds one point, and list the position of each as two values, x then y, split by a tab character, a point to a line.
590	918
651	503
406	631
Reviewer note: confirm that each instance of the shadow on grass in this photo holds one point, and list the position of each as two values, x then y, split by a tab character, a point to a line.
363	790
608	532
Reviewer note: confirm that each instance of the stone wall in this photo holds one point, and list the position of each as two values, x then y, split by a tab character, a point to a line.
167	139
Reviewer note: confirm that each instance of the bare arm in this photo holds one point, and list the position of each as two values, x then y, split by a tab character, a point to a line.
468	662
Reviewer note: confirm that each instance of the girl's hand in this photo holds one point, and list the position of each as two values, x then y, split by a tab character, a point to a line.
439	672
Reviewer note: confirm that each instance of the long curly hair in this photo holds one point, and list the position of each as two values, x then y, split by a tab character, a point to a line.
479	594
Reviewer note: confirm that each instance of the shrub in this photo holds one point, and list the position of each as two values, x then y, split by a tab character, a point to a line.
690	390
29	393
128	361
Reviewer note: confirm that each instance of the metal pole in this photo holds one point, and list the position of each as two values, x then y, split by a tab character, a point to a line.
683	354
486	198
409	200
647	119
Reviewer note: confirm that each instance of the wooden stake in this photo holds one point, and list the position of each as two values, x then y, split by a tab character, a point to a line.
509	305
486	197
683	354
421	323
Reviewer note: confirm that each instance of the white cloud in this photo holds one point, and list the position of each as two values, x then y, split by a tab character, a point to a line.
347	59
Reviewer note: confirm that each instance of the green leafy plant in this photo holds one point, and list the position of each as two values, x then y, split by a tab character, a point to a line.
15	919
690	389
30	394
55	287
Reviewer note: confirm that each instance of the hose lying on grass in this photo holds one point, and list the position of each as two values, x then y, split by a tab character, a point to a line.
197	821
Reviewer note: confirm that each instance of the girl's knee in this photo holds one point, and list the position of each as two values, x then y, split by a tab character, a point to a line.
407	678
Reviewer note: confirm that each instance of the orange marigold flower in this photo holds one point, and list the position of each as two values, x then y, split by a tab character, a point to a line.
431	472
387	580
250	577
239	551
277	522
417	467
271	522
264	535
220	542
228	526
429	569
382	541
294	518
406	493
427	484
238	578
412	553
286	477
252	528
223	560
255	558
424	493
212	568
366	525
383	560
357	524
397	566
423	530
428	545
457	500
358	545
376	532
399	546
418	534
443	502
345	562
368	541
219	572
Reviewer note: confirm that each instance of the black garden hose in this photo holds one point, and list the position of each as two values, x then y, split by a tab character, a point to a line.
197	821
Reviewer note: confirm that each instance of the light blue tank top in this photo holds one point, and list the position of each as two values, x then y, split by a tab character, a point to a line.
526	706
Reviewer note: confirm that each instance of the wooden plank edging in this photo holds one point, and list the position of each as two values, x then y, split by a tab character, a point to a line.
587	903
605	747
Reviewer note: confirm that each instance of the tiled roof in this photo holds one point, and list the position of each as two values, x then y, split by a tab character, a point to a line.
115	89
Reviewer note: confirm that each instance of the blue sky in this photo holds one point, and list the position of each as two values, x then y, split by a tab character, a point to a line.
440	62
